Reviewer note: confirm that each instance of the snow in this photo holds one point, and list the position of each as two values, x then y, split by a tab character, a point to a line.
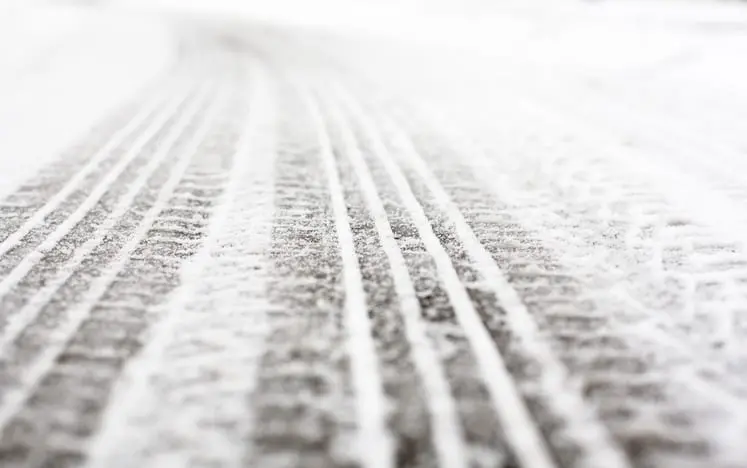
606	138
68	70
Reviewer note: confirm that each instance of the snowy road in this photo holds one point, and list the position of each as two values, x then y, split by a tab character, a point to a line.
509	237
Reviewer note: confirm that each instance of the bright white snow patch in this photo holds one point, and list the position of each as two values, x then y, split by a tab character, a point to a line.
70	68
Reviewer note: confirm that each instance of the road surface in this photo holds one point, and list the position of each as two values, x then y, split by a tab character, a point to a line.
514	238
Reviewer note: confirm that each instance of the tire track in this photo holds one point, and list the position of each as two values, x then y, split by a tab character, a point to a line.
185	400
481	429
303	393
676	259
31	196
554	397
31	264
63	252
525	440
48	357
363	296
367	382
424	418
638	374
41	203
64	209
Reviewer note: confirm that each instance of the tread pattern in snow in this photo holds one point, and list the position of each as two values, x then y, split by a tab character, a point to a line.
258	267
303	395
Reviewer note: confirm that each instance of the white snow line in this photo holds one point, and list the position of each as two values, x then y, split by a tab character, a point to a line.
448	437
564	393
14	400
20	270
132	388
503	191
376	444
13	206
114	142
22	318
517	425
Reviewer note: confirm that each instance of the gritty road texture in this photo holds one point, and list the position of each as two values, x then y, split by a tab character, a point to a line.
281	253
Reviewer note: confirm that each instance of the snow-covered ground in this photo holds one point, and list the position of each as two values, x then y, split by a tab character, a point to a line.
62	69
375	234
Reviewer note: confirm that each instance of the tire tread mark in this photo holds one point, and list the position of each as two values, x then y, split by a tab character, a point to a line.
53	238
523	436
587	440
427	433
644	363
32	199
44	345
53	269
303	394
209	325
365	368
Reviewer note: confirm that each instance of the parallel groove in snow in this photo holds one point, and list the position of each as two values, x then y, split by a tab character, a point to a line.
408	414
29	377
303	394
447	433
34	194
209	323
21	318
354	287
103	153
102	187
70	401
665	361
562	392
520	430
481	429
374	435
577	326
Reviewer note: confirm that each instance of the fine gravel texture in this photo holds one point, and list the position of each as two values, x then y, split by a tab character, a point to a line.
330	246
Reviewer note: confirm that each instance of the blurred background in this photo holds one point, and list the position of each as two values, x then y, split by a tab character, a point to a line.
677	62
